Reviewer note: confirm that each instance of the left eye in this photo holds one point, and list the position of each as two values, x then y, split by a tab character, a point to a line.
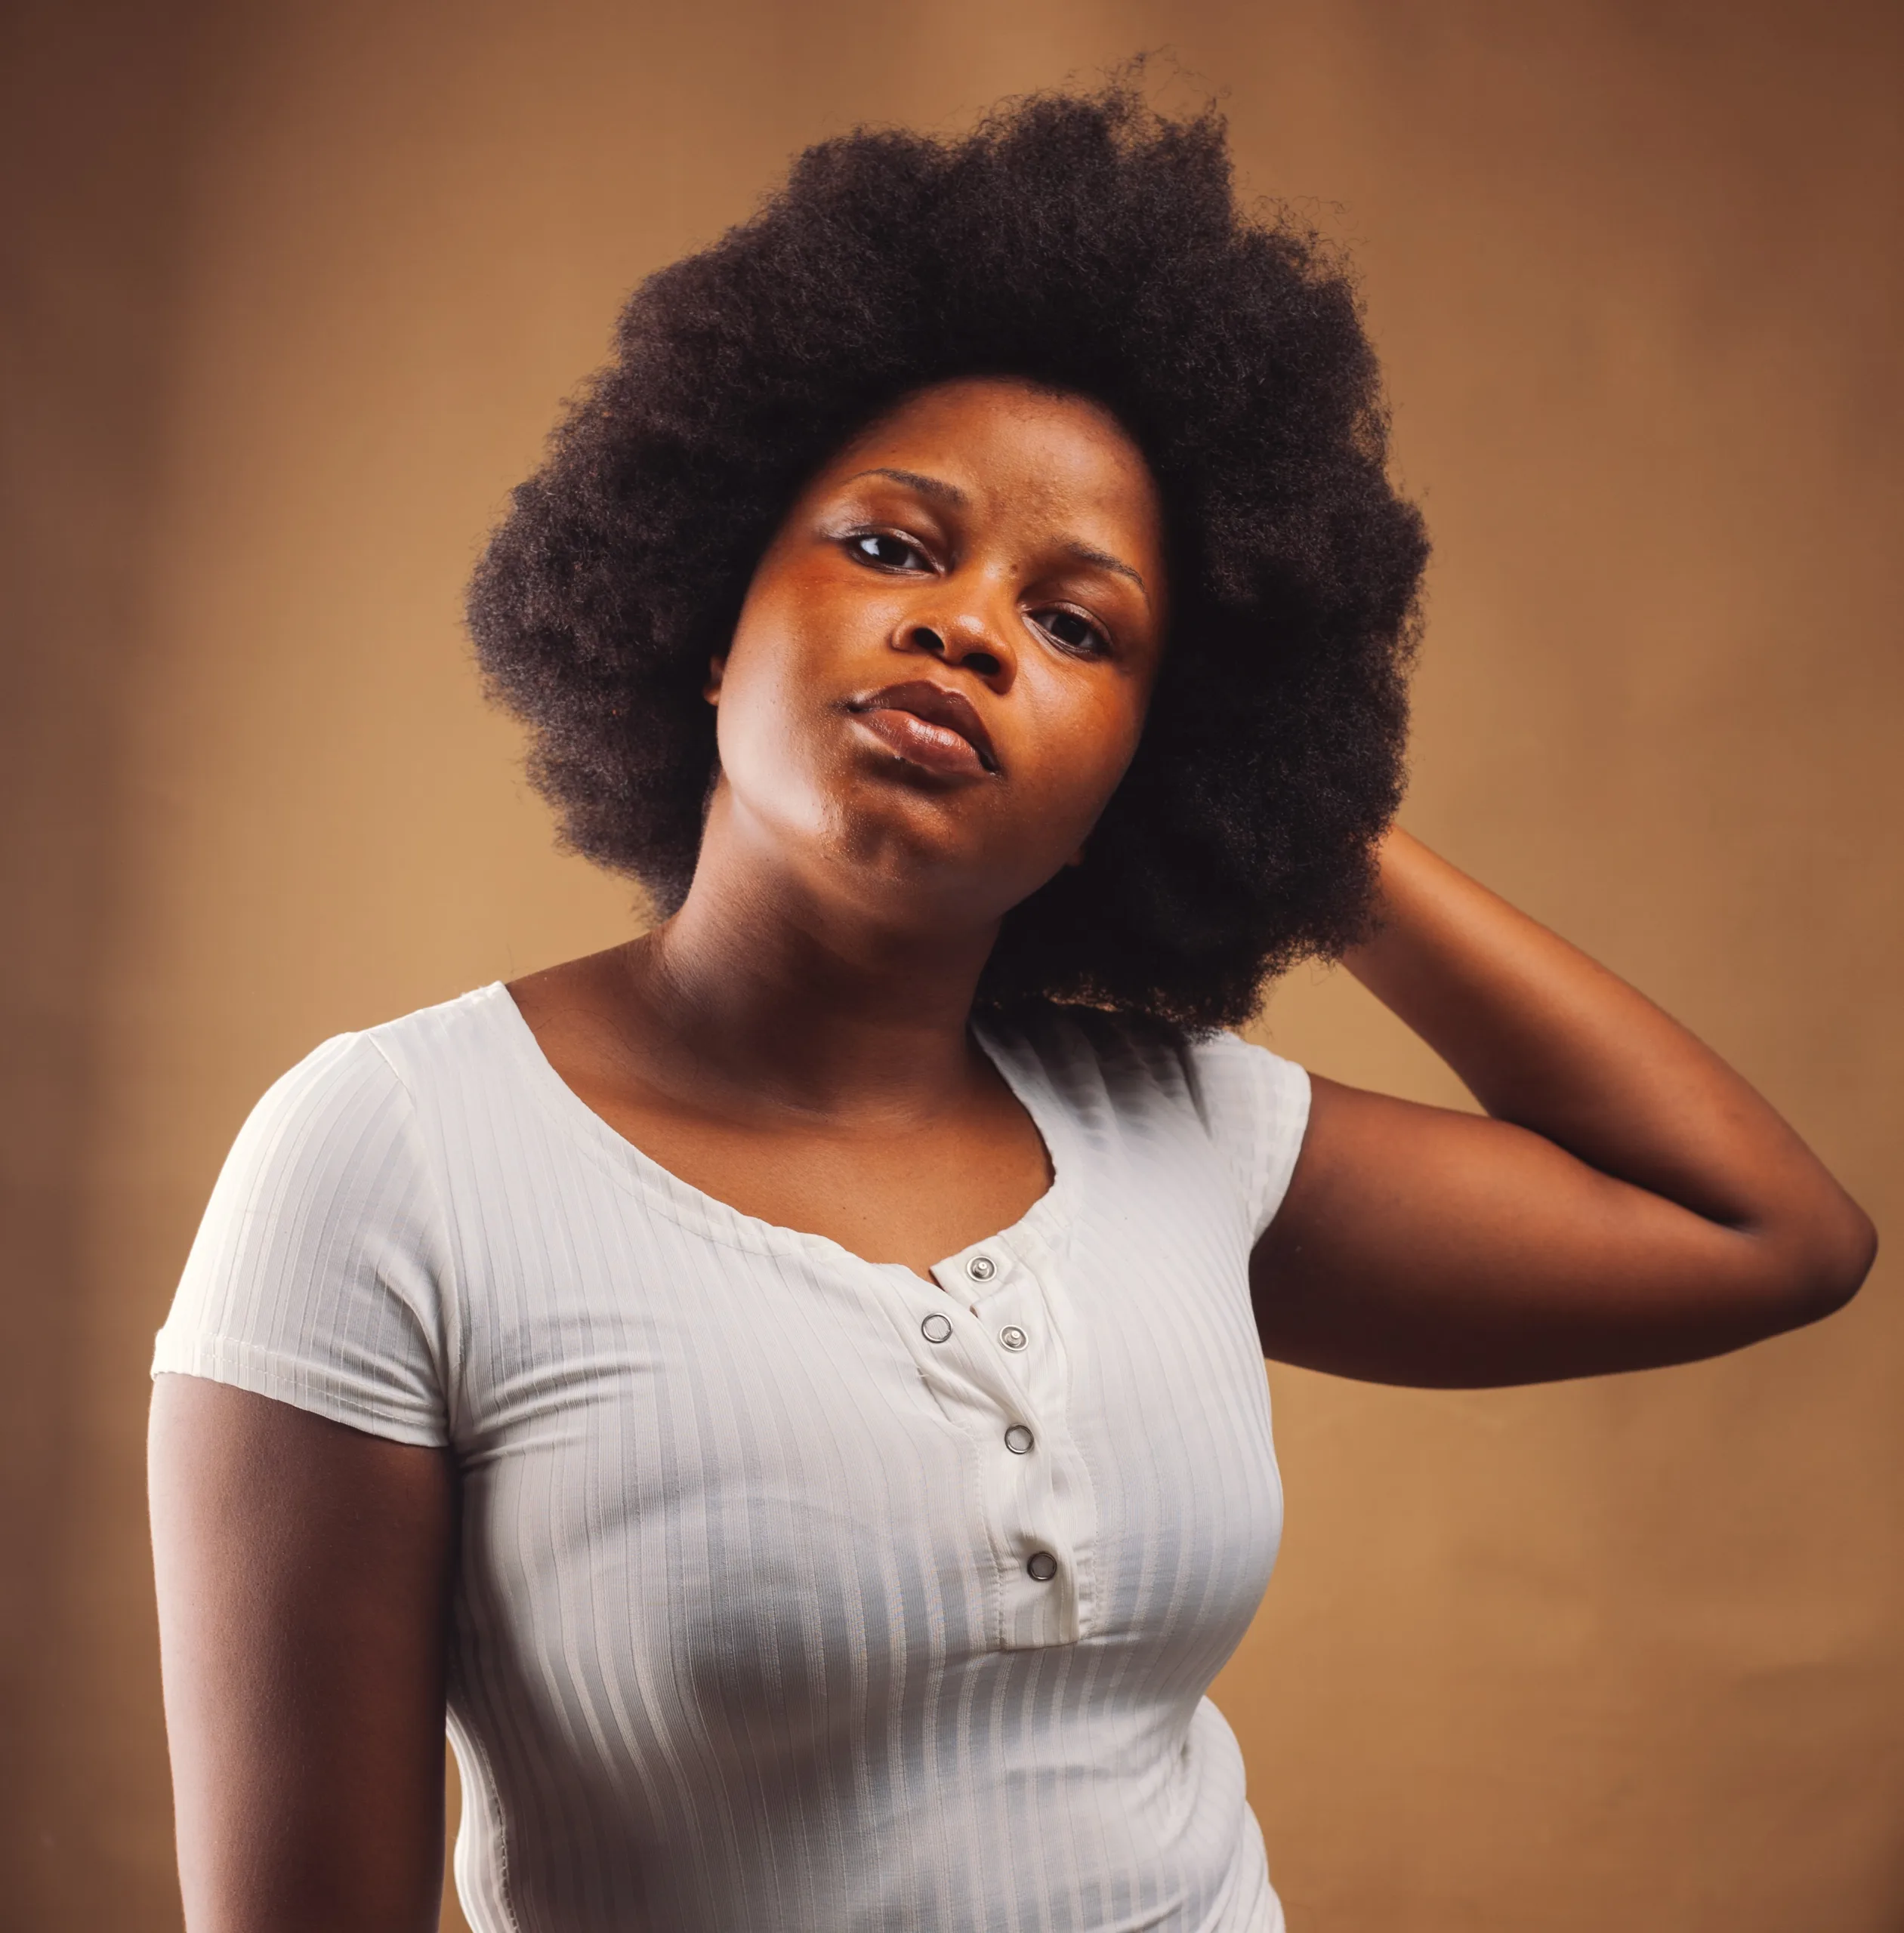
1071	629
889	553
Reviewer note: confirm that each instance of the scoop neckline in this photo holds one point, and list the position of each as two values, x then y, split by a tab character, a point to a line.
630	1165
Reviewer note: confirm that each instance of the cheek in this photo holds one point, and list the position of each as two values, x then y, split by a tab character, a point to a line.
764	752
770	723
1092	739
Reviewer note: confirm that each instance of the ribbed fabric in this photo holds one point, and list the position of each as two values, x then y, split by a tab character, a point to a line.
762	1623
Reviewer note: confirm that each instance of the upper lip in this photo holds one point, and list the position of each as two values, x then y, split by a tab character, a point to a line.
936	706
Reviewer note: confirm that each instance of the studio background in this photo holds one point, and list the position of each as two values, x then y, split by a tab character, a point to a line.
294	293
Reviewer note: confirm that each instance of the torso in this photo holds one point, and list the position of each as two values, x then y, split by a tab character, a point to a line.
797	1590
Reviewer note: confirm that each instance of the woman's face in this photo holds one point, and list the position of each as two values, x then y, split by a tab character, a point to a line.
941	667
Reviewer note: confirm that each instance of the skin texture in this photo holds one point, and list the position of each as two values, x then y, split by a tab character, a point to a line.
302	1572
795	1041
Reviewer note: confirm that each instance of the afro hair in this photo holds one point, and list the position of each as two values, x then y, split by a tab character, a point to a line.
1090	244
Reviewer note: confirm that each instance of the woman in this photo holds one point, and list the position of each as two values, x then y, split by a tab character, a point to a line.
790	1386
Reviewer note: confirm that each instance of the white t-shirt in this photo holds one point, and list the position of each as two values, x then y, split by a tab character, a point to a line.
797	1594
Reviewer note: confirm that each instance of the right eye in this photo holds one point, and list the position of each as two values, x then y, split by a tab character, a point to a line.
887	551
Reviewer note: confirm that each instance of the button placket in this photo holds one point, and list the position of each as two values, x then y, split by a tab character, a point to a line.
1019	1334
1001	1377
1061	1525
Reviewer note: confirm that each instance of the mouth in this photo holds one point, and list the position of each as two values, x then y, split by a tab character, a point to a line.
928	726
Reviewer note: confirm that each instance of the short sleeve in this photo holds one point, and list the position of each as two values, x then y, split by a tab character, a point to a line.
1256	1106
318	1273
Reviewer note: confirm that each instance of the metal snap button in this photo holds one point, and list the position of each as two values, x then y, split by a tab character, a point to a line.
1040	1567
981	1268
935	1328
1018	1440
1013	1336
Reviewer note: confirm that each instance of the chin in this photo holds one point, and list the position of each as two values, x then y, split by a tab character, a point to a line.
904	854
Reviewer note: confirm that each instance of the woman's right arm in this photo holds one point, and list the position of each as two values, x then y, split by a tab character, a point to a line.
304	1573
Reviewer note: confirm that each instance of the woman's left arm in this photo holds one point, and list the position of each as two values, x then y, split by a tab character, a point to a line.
1630	1201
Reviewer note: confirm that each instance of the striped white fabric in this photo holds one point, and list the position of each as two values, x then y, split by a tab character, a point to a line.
797	1592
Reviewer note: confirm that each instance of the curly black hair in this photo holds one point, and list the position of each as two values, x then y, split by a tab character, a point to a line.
1090	244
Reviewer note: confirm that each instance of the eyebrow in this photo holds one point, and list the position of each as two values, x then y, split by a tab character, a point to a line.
950	493
1086	553
927	486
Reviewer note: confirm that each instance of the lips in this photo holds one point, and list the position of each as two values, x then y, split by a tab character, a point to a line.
927	725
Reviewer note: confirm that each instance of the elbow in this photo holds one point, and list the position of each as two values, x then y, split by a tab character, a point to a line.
1832	1265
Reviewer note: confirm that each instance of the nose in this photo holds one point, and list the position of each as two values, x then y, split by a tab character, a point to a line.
966	644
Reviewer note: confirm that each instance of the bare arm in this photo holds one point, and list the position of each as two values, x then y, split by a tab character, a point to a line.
303	1572
1631	1201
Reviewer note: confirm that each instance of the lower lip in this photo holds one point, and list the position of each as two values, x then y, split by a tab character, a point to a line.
932	747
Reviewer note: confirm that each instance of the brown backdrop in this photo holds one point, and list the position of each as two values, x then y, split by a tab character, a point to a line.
301	288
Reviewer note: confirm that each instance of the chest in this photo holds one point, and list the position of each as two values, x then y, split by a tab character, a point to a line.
909	1191
771	1465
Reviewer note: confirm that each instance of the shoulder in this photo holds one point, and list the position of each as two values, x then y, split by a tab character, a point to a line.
387	1073
339	1165
1130	1075
319	1272
476	1033
1132	1062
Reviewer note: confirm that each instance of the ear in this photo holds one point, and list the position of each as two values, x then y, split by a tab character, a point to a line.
717	671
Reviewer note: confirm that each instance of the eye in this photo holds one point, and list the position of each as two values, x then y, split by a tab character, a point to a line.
1072	631
886	550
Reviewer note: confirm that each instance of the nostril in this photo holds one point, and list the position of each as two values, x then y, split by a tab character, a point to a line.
927	639
983	662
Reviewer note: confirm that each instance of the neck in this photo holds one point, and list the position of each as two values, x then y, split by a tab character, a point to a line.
791	998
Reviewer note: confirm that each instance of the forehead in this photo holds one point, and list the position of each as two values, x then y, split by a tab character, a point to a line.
1008	446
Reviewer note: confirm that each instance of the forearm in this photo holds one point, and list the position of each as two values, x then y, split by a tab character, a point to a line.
1545	1037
